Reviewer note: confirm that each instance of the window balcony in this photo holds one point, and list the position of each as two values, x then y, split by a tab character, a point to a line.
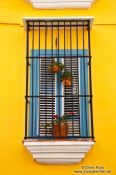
59	113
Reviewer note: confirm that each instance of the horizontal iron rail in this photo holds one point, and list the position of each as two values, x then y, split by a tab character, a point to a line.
52	137
58	56
57	20
58	96
55	25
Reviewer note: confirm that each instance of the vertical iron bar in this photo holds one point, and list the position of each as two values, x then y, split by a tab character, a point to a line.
71	72
58	80
64	70
52	73
45	73
84	78
27	72
77	38
90	81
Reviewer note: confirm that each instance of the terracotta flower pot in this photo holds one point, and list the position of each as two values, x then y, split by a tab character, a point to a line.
67	82
55	69
60	130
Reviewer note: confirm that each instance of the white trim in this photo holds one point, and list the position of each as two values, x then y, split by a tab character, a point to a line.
82	18
58	152
58	143
59	161
61	4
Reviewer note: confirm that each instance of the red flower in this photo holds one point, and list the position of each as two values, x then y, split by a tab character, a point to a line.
55	116
71	113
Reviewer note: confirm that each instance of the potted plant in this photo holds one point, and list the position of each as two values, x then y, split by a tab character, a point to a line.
60	127
66	78
55	67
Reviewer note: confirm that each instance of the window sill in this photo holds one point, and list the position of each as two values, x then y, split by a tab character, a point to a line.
58	152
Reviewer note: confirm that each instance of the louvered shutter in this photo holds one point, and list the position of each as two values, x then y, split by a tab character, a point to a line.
47	102
71	99
34	91
43	107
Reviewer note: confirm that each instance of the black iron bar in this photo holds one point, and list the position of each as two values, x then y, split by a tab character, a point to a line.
52	35
90	81
58	56
58	82
57	96
27	73
73	25
68	137
45	76
56	20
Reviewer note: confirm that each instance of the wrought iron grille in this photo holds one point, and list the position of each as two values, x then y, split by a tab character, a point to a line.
54	108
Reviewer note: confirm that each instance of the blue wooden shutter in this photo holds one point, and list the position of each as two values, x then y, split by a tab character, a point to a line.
84	117
59	92
34	114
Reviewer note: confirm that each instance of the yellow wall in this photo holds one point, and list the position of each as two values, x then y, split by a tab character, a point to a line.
14	159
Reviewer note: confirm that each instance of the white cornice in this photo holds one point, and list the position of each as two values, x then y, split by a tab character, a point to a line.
58	152
61	4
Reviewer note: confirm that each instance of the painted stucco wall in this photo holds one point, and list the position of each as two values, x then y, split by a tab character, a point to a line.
14	159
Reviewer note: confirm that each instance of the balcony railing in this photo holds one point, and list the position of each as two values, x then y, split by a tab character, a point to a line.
58	80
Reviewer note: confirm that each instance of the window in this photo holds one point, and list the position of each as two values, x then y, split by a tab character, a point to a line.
66	42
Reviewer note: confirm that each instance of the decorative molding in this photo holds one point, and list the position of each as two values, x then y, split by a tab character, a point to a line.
61	4
58	152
